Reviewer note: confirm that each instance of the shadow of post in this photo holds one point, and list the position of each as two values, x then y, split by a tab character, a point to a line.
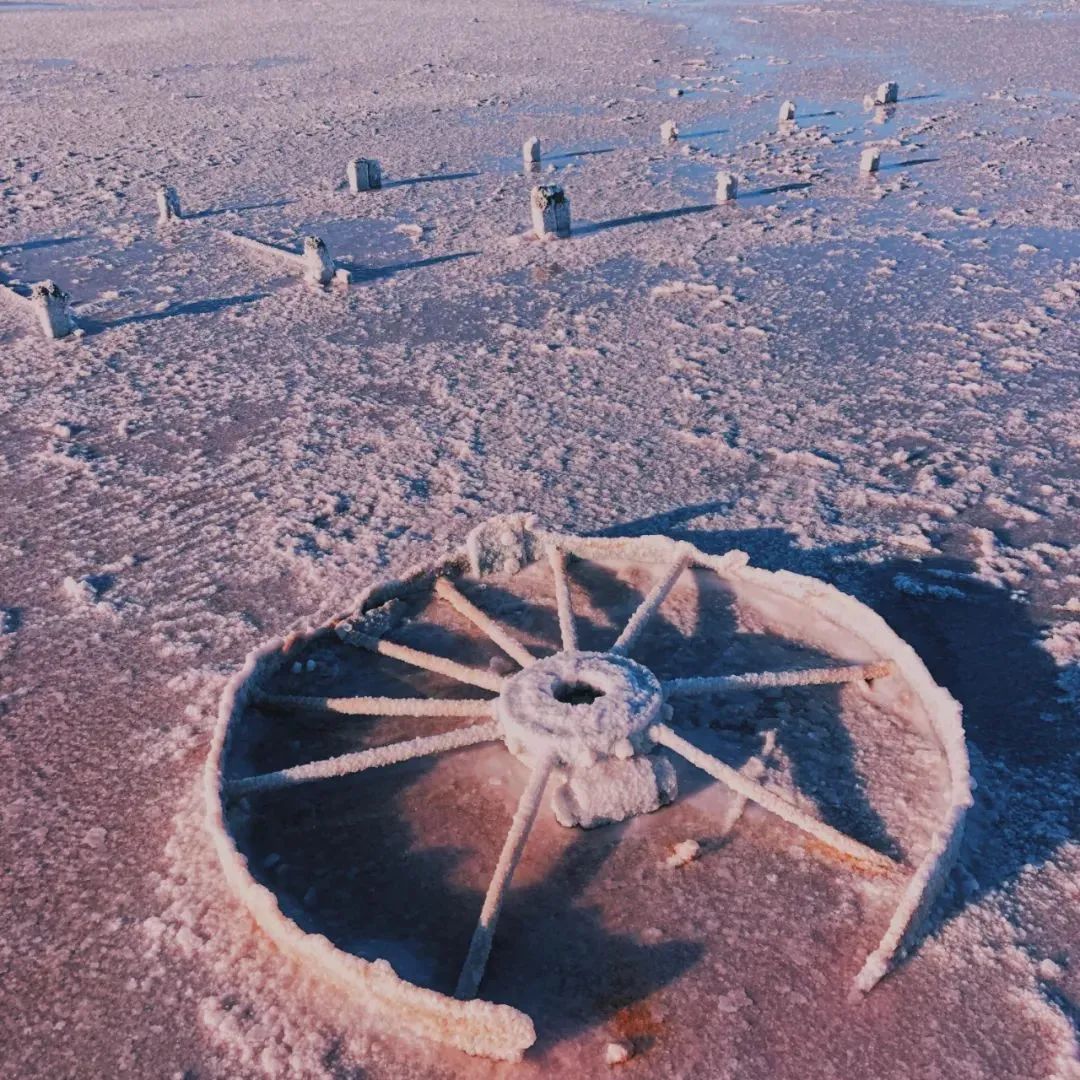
892	166
434	178
360	274
646	218
198	215
188	307
35	245
563	155
775	189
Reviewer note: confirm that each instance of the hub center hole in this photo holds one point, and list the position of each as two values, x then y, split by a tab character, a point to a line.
577	693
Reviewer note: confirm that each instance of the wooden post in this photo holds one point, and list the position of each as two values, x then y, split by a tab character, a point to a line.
52	309
364	174
530	152
887	93
550	211
168	204
727	187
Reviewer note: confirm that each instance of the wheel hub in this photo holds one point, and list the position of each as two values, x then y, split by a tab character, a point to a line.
579	707
589	713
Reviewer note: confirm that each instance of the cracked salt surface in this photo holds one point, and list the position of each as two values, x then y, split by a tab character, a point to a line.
882	389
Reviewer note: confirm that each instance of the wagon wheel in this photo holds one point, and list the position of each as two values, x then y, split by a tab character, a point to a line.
588	718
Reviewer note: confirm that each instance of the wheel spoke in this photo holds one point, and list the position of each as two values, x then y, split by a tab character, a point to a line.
567	629
784	810
488	680
464	606
480	947
377	706
649	606
347	764
766	679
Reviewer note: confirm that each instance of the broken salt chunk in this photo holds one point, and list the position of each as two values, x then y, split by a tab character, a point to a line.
684	853
618	1053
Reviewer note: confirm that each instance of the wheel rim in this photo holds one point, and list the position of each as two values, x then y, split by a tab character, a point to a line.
631	727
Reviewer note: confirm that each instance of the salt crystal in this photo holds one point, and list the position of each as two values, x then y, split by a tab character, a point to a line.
530	152
787	112
870	160
684	853
669	132
618	1053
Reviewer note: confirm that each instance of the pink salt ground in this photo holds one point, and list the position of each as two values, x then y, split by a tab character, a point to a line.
870	380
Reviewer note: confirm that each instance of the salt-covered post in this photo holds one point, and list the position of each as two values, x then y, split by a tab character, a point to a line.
53	312
319	267
314	261
168	204
727	187
550	211
870	160
669	131
530	152
364	174
787	112
888	93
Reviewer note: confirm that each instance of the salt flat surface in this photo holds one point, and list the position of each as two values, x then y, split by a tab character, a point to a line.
868	379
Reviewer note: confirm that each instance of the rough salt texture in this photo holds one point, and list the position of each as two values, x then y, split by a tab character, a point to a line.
613	790
870	382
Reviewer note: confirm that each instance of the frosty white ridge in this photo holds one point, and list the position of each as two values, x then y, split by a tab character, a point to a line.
550	211
364	174
590	726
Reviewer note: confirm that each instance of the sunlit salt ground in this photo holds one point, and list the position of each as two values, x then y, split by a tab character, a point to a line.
872	380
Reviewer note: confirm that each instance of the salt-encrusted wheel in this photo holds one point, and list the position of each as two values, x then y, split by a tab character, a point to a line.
595	662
